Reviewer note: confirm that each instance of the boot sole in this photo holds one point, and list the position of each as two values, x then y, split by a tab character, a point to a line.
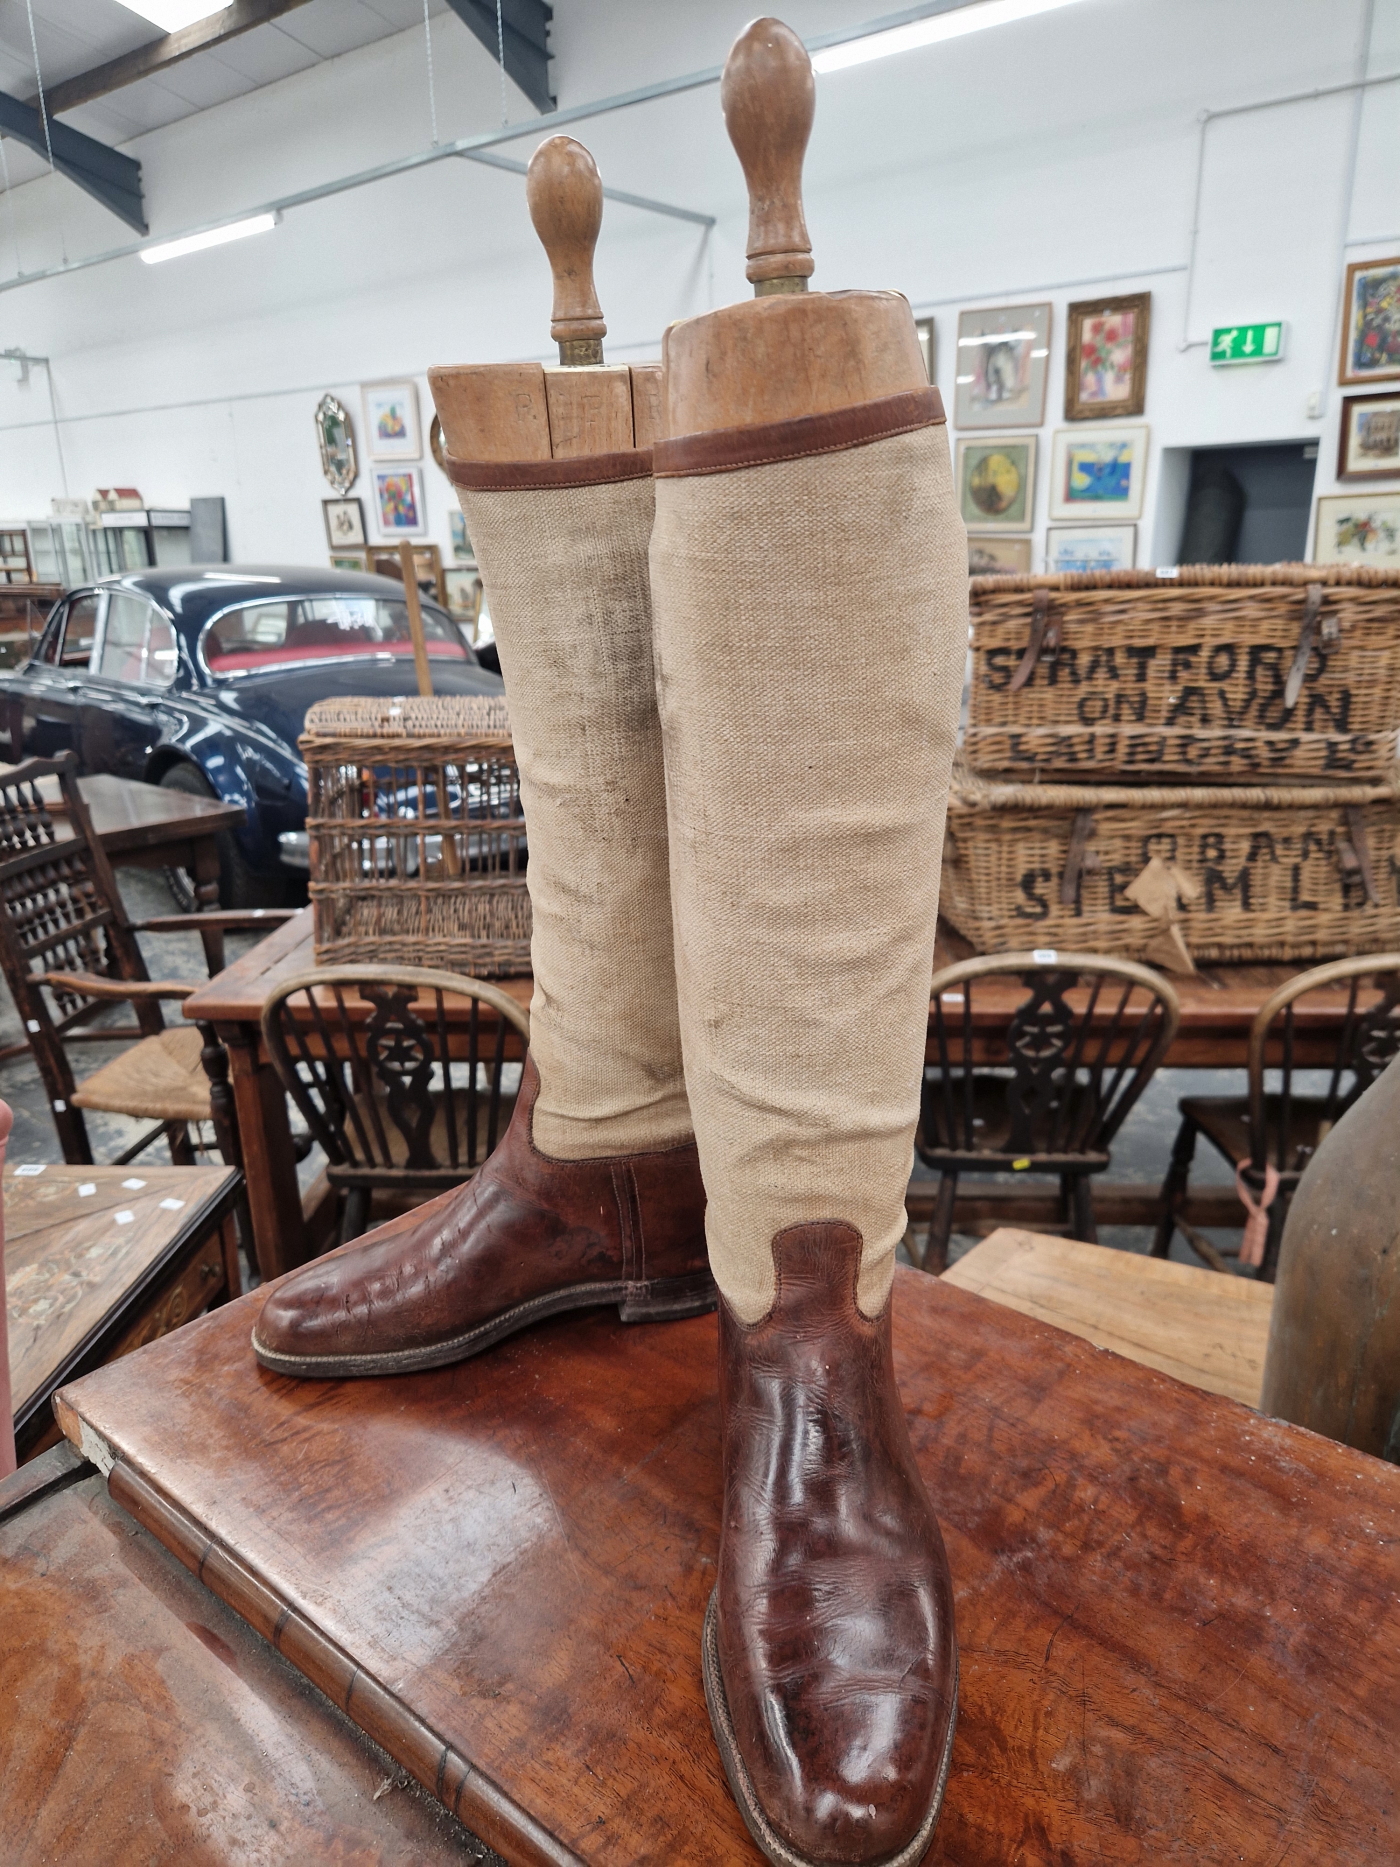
668	1300
770	1843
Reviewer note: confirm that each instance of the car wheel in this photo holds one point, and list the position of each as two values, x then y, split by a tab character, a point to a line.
240	886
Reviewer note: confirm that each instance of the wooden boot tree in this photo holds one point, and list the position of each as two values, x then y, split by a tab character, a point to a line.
581	406
789	352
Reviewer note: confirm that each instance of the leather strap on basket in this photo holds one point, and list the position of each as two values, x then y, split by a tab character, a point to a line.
1311	609
1079	836
1355	853
1045	641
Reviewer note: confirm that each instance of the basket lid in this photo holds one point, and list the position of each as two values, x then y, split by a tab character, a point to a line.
1193	576
970	790
454	717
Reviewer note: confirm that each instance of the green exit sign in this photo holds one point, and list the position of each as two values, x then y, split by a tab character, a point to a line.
1247	343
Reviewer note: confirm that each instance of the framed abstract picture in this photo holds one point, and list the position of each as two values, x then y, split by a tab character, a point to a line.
1358	528
995	555
391	421
996	482
345	523
1371	322
1090	547
1003	362
398	493
1097	477
1106	357
1369	447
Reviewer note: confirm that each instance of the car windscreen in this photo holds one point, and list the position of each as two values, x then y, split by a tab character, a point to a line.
321	628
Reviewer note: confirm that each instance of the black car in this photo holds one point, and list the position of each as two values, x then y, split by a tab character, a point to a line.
199	678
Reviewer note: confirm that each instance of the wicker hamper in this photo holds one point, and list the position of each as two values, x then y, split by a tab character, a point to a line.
417	836
1245	872
1248	672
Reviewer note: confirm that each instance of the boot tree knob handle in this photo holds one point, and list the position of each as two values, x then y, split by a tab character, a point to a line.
769	96
564	192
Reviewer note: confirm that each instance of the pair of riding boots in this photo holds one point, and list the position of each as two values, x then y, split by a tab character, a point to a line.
733	677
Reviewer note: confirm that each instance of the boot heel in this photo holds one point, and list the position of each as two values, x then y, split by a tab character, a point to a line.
667	1299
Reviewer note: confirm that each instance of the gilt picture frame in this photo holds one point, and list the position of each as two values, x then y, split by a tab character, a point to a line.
996	482
1371	322
1106	357
1368	445
1003	366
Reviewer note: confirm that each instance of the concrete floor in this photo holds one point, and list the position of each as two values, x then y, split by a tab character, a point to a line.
1139	1154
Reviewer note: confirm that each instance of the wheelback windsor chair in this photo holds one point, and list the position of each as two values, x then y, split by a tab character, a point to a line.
69	952
400	1090
1271	1133
1043	1090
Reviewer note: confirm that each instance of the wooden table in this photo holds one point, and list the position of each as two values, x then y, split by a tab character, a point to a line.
144	1722
1207	1330
1217	1010
1178	1621
98	1261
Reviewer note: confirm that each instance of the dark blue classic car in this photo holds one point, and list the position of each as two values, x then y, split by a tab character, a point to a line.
199	679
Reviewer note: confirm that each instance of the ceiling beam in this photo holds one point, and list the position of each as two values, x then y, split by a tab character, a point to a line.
159	54
108	176
525	30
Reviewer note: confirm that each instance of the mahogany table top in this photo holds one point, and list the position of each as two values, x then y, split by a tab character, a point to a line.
1179	1622
129	816
1217	1006
143	1721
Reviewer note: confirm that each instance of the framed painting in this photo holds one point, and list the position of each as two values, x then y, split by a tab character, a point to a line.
1099	476
398	494
345	523
463	588
1106	357
1090	547
1369	446
994	555
996	482
391	420
1358	528
350	560
461	543
335	436
1371	322
427	568
1003	362
928	346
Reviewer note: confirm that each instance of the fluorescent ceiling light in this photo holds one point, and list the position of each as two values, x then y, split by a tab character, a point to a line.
951	25
214	236
170	15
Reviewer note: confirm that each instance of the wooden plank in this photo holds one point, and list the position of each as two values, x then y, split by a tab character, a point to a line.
161	53
1195	1325
73	1266
1178	1620
144	1721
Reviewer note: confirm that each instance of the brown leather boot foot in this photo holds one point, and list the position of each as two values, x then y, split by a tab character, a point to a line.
829	1653
527	1238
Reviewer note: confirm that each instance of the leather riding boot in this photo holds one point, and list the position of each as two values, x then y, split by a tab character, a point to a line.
529	1237
829	1655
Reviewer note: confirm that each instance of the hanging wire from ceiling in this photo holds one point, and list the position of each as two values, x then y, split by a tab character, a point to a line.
432	84
39	81
501	58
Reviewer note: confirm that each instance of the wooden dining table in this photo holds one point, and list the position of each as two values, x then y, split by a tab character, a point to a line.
1218	1006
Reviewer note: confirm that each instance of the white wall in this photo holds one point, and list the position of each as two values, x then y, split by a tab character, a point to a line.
1055	158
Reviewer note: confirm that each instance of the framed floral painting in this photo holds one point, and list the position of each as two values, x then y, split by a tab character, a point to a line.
1358	528
1097	477
1106	357
996	482
1003	361
398	493
1371	322
391	421
1369	445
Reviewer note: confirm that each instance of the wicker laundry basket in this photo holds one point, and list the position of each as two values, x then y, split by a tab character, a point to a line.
1218	873
417	835
1249	672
